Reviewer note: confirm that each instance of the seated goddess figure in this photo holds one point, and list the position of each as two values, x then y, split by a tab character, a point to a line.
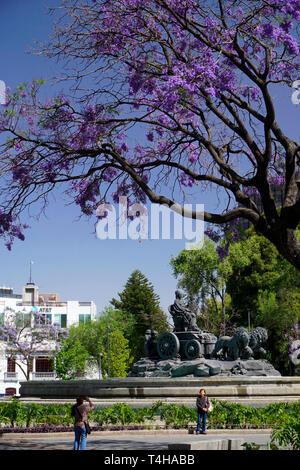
183	318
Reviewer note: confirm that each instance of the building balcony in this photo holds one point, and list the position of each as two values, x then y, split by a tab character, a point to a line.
43	375
10	376
42	304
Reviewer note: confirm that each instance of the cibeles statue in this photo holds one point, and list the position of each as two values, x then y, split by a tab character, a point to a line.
184	319
150	344
242	345
189	351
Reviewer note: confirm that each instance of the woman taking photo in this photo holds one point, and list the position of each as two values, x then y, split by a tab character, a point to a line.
80	413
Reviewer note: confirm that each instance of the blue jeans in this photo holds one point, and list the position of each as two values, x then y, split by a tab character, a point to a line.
202	415
80	438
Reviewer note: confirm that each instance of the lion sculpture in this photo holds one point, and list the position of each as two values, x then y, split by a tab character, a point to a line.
242	345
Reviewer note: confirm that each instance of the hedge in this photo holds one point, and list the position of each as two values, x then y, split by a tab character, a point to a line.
225	415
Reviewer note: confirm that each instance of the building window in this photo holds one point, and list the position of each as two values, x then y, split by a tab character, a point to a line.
84	318
43	319
23	320
10	391
11	365
43	364
48	318
61	320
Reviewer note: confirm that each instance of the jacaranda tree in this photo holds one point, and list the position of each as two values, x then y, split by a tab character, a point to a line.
24	336
172	91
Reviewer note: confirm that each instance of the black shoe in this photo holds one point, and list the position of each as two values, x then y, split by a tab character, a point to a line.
198	432
203	432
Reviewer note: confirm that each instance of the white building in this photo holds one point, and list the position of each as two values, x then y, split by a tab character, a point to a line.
21	308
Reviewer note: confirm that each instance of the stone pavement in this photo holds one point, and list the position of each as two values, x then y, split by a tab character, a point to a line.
129	440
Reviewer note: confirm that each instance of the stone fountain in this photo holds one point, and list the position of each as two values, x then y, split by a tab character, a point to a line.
177	364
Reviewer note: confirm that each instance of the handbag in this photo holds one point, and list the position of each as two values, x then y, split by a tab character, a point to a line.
87	427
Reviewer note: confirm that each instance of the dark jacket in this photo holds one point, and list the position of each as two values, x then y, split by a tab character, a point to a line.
202	402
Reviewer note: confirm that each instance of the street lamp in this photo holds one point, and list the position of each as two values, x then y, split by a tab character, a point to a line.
249	319
108	365
100	369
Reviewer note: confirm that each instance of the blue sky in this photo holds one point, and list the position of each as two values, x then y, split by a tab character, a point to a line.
68	258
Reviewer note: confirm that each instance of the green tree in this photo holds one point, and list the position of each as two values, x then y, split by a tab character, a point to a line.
71	359
268	287
138	300
119	355
92	338
203	277
263	268
258	272
278	312
116	320
197	271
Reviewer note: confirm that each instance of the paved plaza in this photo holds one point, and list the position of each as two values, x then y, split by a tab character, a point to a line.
129	440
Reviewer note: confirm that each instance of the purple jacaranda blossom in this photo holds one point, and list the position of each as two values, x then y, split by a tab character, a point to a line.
222	251
164	79
109	174
212	235
26	342
186	180
150	136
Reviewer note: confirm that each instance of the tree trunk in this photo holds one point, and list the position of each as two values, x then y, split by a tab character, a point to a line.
288	245
223	310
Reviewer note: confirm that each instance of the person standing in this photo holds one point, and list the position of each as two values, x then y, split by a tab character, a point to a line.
80	413
203	405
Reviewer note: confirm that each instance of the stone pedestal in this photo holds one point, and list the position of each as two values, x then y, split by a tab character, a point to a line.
140	392
201	367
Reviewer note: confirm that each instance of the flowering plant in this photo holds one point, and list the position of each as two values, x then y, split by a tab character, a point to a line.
294	344
24	340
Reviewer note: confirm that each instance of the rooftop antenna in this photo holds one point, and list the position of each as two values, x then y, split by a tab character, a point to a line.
30	273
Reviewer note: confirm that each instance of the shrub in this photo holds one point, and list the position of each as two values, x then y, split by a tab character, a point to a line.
288	434
14	412
224	415
177	416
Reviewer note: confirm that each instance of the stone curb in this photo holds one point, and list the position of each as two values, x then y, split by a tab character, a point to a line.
209	444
